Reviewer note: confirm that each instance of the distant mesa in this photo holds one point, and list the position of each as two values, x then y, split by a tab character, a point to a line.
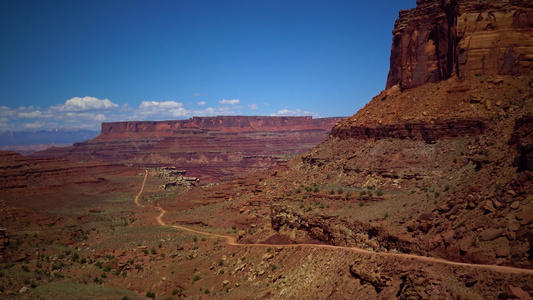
211	148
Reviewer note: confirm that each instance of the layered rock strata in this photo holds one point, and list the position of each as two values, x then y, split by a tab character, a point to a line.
210	148
444	38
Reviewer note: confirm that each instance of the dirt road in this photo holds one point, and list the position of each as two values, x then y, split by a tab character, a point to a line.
232	241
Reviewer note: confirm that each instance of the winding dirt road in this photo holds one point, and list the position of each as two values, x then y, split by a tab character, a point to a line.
232	241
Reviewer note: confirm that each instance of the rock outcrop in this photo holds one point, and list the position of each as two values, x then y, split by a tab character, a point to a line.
210	148
416	131
444	38
336	231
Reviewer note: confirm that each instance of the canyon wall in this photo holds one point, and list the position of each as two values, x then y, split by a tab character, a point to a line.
211	148
444	38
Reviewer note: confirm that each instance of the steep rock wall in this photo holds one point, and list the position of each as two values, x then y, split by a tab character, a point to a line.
444	38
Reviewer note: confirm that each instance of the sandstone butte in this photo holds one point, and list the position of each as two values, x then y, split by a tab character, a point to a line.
425	193
213	149
442	39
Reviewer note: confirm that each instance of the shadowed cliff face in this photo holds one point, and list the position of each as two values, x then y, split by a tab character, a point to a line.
443	38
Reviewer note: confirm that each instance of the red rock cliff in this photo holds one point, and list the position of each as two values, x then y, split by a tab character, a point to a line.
212	148
160	129
444	38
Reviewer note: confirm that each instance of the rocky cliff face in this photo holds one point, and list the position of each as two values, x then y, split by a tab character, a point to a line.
444	38
448	145
210	148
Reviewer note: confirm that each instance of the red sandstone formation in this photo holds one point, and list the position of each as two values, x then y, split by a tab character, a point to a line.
211	148
446	38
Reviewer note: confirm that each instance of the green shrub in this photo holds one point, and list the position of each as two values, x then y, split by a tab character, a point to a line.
379	193
175	292
206	291
150	295
196	278
107	268
340	191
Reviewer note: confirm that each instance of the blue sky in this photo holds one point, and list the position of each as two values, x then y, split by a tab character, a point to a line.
74	64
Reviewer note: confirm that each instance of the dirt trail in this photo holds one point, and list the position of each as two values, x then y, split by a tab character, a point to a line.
232	241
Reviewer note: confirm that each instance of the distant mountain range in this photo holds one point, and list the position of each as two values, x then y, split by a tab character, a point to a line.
54	136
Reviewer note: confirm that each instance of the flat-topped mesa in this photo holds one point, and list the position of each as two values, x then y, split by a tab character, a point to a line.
443	38
161	129
213	149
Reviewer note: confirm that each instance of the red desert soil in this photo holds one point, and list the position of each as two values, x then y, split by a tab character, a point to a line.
232	241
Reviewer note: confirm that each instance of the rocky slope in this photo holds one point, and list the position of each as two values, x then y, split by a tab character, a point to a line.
211	148
440	162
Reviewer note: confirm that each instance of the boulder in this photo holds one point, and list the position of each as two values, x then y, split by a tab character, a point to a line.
490	234
517	292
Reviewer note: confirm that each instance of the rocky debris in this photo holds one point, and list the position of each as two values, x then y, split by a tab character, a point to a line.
441	39
525	215
4	243
336	231
518	293
372	277
175	179
522	139
267	256
490	234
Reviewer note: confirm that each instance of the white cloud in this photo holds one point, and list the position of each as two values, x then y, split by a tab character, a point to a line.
230	102
34	125
29	115
160	105
85	104
7	112
89	112
198	95
296	112
164	109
